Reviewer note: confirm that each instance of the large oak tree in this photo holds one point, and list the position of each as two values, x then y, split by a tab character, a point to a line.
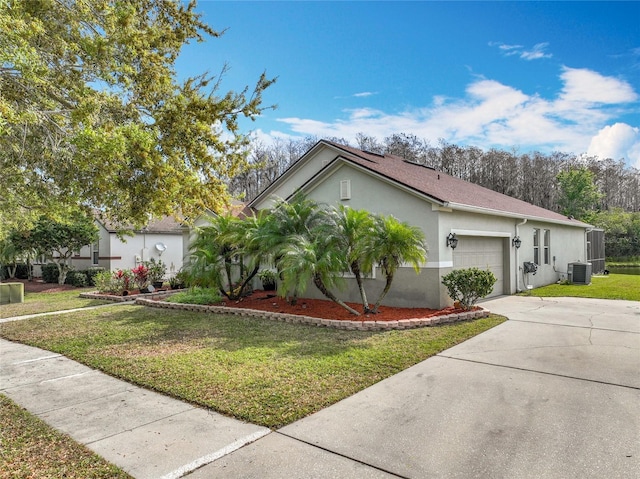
92	112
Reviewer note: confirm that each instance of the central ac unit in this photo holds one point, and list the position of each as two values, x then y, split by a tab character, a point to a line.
579	273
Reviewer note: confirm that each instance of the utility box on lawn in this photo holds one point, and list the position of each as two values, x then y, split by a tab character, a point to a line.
11	293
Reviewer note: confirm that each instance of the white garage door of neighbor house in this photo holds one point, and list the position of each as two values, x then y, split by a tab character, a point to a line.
481	252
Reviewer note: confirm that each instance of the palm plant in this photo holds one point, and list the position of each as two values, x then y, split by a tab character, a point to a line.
252	236
301	241
297	218
319	259
393	244
355	229
213	254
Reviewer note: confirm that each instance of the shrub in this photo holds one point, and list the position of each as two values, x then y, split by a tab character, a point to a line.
50	273
180	280
156	270
268	278
104	282
197	296
76	278
91	274
121	280
141	276
22	272
469	285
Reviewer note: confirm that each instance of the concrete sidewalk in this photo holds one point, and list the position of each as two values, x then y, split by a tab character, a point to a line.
147	434
553	393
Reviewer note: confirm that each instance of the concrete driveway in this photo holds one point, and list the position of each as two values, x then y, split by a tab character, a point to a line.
552	393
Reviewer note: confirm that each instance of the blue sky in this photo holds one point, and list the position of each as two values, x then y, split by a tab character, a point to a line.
540	76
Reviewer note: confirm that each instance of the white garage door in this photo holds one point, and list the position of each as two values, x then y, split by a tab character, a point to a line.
484	253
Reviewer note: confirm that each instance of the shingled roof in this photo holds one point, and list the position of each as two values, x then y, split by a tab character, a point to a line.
446	189
165	225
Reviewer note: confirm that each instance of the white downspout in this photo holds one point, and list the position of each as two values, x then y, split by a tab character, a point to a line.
518	256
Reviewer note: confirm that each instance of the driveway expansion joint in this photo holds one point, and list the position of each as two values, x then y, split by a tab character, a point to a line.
637	388
330	451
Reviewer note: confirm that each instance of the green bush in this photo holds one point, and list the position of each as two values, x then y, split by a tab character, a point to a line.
197	296
76	278
103	281
50	273
91	274
157	270
180	280
21	272
469	285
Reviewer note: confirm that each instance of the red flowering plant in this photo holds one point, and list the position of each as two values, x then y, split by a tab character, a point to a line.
141	276
122	278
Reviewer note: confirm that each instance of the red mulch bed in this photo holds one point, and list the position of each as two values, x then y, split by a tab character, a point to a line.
325	309
38	286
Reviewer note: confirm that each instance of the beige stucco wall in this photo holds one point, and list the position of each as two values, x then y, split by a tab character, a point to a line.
567	245
409	289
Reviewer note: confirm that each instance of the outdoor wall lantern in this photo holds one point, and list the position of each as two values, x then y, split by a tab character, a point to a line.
452	240
516	241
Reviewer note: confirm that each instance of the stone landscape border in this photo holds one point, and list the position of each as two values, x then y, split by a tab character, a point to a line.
364	325
131	297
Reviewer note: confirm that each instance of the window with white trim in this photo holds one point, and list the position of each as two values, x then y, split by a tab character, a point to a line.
536	245
547	246
95	254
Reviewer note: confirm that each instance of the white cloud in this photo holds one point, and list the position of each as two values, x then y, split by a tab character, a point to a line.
364	94
492	114
587	86
535	53
617	141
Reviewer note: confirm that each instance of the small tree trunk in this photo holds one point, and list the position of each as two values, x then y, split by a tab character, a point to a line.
227	269
317	280
355	269
386	289
244	283
62	271
29	270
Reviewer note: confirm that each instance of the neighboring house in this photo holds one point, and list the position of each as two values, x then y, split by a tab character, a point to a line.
485	223
161	239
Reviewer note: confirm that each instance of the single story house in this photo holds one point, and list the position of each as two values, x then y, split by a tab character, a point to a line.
162	239
465	224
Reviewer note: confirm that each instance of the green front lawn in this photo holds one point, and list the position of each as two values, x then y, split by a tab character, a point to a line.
613	286
47	302
31	449
265	372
